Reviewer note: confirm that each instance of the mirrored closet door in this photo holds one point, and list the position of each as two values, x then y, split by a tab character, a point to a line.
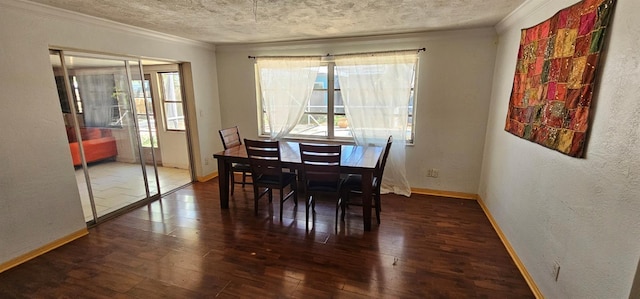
98	96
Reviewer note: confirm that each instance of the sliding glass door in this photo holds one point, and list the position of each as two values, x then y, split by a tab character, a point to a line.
103	129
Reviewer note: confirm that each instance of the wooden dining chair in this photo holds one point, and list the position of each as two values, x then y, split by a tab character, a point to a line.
267	172
353	184
321	174
230	138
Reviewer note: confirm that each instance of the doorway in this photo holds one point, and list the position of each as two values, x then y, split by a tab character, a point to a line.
110	116
164	134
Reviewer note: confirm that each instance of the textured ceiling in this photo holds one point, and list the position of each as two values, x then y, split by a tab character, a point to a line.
250	21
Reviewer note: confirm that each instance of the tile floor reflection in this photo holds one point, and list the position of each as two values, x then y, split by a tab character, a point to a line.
117	184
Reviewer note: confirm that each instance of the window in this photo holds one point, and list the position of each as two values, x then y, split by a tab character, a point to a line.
76	95
325	107
143	106
171	95
103	86
324	116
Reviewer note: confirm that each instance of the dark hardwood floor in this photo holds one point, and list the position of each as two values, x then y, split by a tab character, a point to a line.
184	246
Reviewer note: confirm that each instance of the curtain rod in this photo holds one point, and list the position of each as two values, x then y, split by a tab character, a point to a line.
329	54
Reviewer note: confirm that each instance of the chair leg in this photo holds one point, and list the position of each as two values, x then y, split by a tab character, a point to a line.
244	178
307	204
294	185
377	203
281	202
233	181
295	196
338	205
256	193
343	205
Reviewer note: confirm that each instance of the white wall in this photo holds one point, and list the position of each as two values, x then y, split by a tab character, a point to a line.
39	199
173	149
583	213
454	89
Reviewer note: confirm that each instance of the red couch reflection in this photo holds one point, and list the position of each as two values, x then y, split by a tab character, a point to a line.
98	143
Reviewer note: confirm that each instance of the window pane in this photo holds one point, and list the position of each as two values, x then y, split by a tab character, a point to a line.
76	95
265	123
145	137
336	81
174	116
313	124
341	126
411	103
321	78
338	107
317	102
171	87
172	98
409	134
144	106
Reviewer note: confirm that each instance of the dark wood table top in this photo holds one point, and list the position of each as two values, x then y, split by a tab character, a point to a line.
354	157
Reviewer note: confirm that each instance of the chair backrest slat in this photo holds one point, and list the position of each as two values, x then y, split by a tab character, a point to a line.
230	137
321	163
322	159
264	157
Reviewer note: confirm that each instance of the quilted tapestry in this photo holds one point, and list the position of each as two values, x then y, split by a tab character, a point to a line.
554	79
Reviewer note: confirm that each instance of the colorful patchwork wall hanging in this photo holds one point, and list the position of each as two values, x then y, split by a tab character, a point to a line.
555	74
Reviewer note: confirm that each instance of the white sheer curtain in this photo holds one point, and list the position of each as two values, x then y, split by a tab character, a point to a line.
97	94
286	85
376	89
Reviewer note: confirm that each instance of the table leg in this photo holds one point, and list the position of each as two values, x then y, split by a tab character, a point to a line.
223	182
367	179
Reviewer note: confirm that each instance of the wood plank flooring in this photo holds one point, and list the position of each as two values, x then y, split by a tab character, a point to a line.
184	246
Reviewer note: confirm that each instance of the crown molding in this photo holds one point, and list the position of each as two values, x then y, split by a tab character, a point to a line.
46	10
417	38
527	9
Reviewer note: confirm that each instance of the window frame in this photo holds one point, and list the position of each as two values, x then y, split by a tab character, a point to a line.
164	101
331	113
148	114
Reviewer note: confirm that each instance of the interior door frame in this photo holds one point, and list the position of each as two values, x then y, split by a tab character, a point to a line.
161	131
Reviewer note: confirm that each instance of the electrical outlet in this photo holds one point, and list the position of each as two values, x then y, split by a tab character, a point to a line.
432	173
556	270
206	161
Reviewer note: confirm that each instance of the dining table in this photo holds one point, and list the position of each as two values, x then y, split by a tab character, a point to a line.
355	159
